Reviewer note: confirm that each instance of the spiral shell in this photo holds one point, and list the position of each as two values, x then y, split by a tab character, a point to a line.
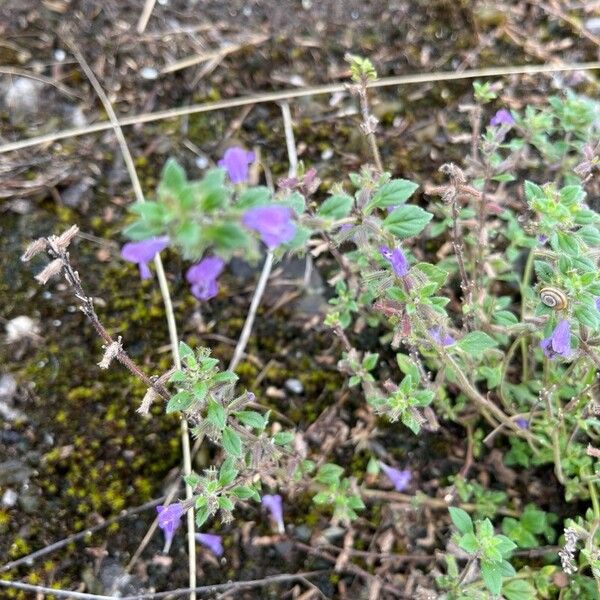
554	298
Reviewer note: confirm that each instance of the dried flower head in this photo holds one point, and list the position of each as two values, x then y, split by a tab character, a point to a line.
148	400
64	239
33	249
110	352
53	268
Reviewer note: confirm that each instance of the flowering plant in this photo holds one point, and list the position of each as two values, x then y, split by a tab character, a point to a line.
484	292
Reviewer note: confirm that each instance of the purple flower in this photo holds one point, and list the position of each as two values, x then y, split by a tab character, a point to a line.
559	342
542	239
236	161
168	520
203	277
443	339
522	422
143	252
273	223
397	259
274	504
400	479
502	117
598	303
211	541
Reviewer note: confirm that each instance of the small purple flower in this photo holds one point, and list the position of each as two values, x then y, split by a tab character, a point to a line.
502	117
542	239
274	504
598	303
168	520
273	223
143	252
400	479
522	422
397	259
211	541
203	277
236	161
559	342
441	338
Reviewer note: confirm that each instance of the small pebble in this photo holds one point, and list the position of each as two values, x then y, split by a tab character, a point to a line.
149	73
593	25
327	154
19	328
8	387
295	386
60	55
9	498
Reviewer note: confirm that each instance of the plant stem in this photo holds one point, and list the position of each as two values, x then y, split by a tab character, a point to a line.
166	296
524	284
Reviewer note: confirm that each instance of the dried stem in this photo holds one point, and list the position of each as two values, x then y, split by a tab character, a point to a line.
166	296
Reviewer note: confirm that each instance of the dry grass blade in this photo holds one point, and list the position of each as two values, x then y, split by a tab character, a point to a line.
292	94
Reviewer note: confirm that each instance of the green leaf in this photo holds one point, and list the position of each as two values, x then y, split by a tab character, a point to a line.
410	420
407	221
335	207
543	270
283	438
185	350
492	577
232	444
408	366
505	317
296	202
141	230
225	503
227	472
243	492
567	242
590	317
392	193
504	544
216	414
534	192
370	361
461	519
590	235
177	377
173	177
188	235
519	589
476	343
202	515
329	474
468	542
226	236
192	479
251	419
254	196
200	390
180	401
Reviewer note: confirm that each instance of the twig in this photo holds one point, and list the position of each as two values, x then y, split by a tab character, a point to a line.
145	16
30	558
166	296
426	501
350	568
210	589
42	78
292	94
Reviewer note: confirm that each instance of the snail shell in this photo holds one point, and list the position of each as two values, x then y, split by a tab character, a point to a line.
554	298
